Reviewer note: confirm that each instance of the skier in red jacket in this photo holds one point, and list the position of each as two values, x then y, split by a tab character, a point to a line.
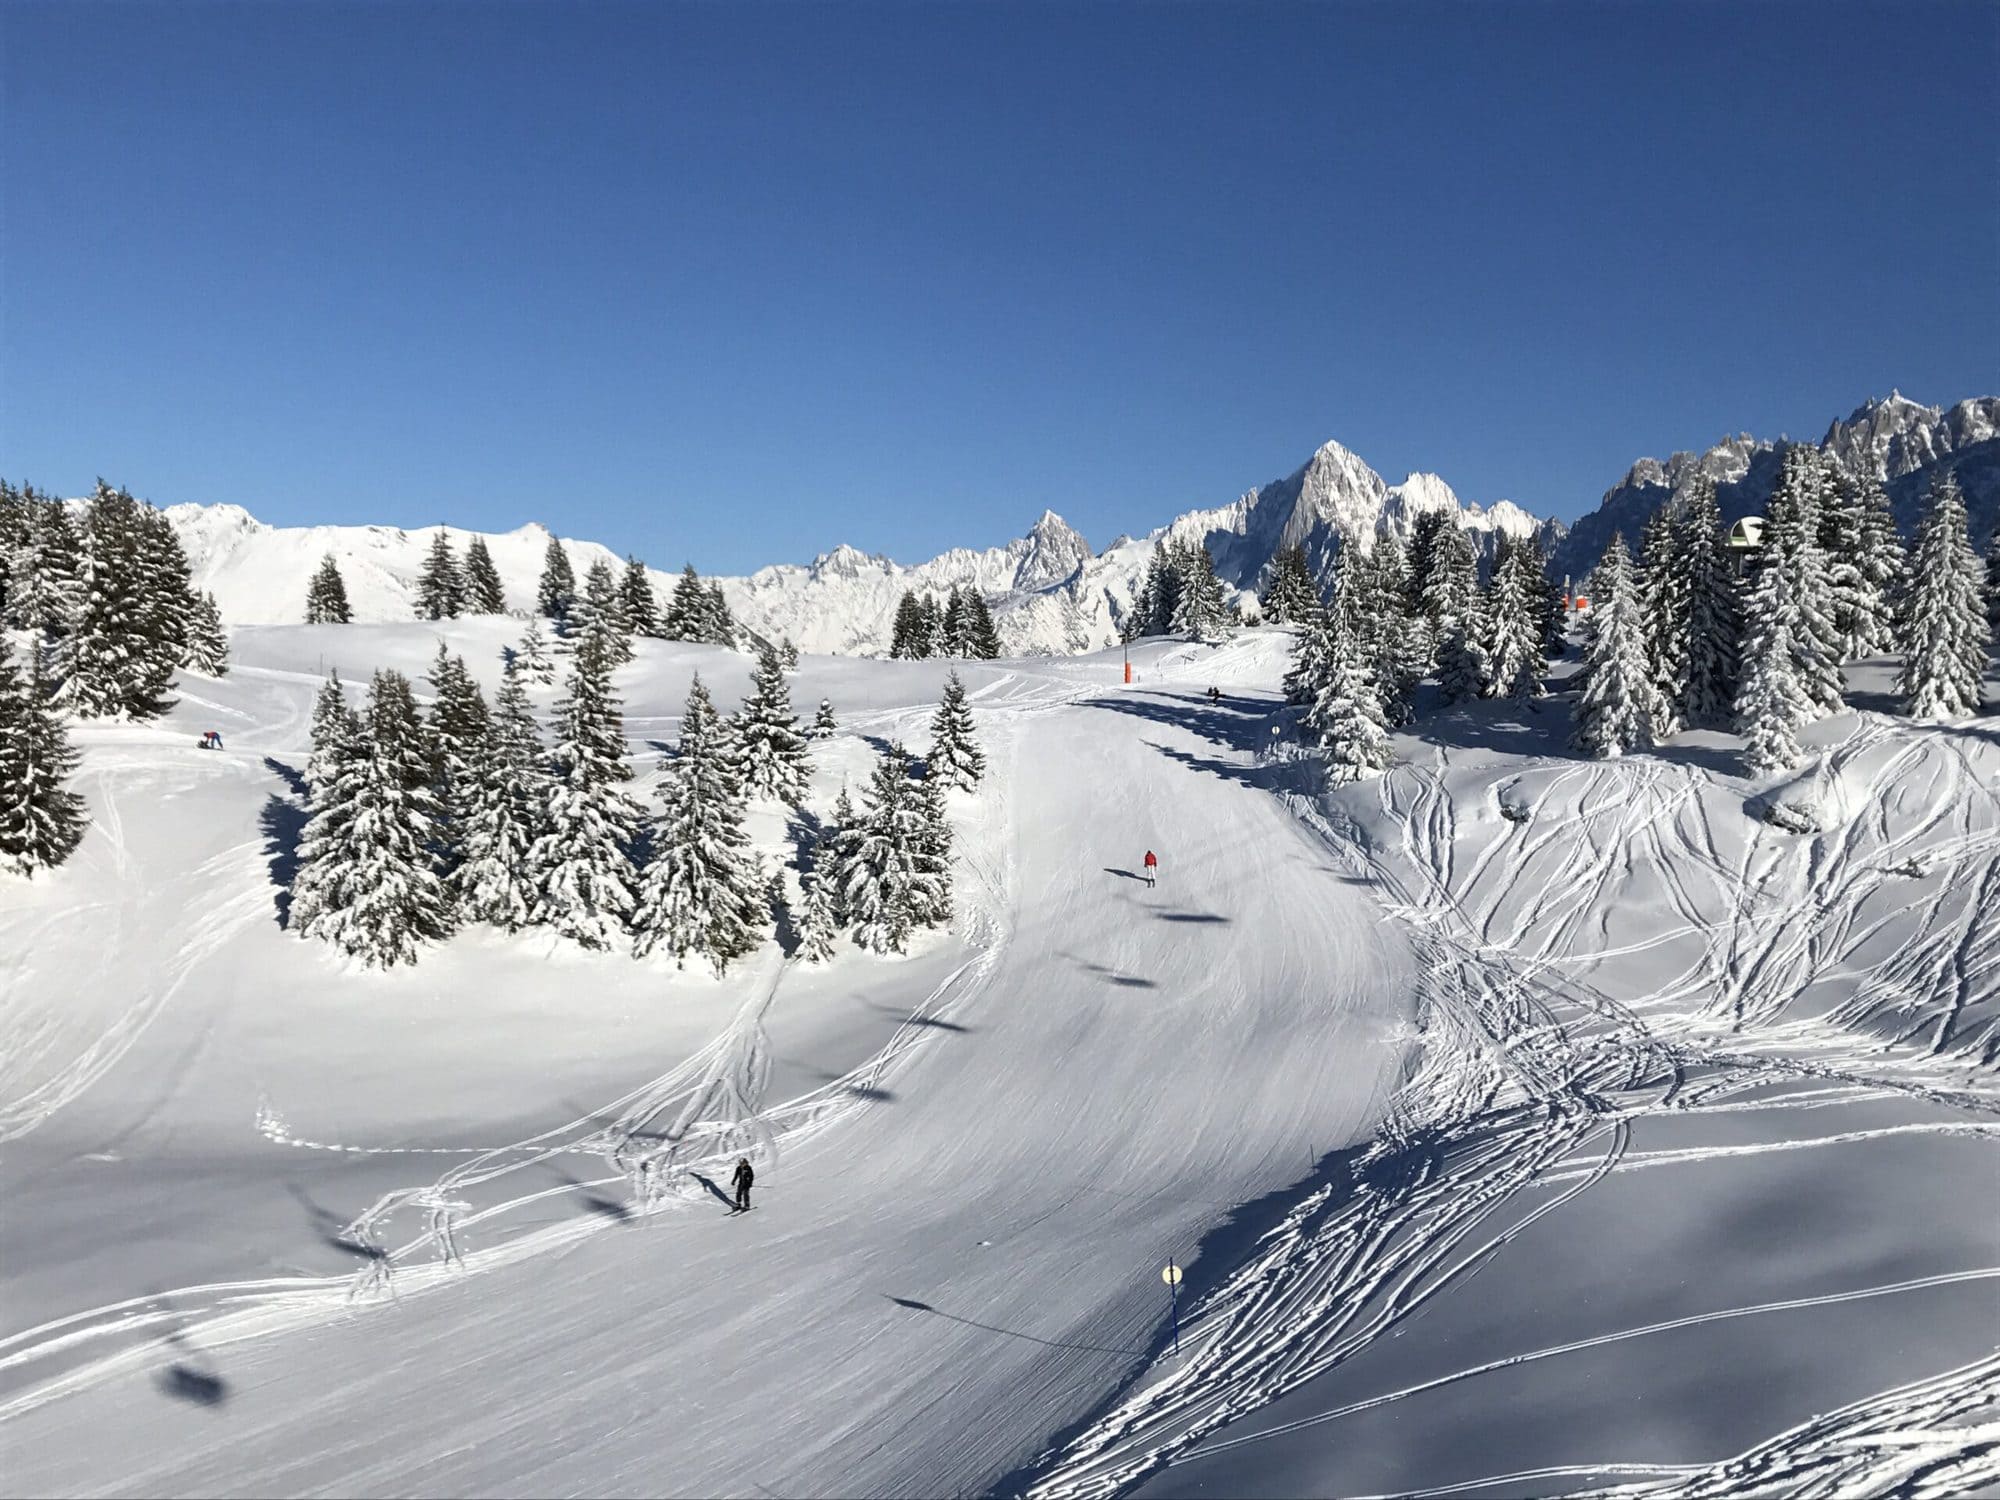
1152	864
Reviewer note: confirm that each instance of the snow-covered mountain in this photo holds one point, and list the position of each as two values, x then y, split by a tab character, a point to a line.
1902	441
1051	594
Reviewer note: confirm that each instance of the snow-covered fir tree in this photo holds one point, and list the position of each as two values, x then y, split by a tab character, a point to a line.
720	623
982	637
1791	542
599	612
166	583
1993	584
207	643
933	797
1310	657
1864	558
1461	668
116	660
788	654
642	610
956	761
1771	702
504	815
441	584
1450	588
1346	719
1290	596
1710	621
582	860
1663	604
686	617
556	590
1943	623
1200	610
771	750
952	635
834	854
41	819
823	726
895	881
43	564
459	735
914	635
1395	646
1618	707
326	596
531	658
818	928
702	888
1513	625
396	900
483	593
322	881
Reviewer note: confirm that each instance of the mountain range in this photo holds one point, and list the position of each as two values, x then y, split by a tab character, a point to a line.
1052	593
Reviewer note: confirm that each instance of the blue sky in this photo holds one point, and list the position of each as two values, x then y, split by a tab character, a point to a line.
732	284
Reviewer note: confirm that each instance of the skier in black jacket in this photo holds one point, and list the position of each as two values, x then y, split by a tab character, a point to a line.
742	1180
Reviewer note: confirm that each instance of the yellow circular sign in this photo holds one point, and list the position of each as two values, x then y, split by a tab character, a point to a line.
1171	1274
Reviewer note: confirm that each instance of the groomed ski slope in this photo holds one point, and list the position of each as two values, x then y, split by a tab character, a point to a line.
972	1164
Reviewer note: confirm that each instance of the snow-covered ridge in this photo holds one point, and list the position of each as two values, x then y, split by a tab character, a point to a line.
1050	592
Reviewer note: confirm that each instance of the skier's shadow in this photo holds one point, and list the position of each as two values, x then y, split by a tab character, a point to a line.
720	1197
1129	875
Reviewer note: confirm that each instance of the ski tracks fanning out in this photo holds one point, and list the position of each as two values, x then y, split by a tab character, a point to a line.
1533	1070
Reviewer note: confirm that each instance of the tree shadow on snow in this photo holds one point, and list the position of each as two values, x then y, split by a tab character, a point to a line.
1242	731
1113	976
596	1202
332	1229
1192	916
185	1380
283	822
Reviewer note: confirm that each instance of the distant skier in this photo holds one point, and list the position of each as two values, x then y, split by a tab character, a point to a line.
742	1180
1152	865
1215	695
211	741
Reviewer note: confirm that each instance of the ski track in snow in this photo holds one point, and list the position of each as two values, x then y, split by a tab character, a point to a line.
1530	1078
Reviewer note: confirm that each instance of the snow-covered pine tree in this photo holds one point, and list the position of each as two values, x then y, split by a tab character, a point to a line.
115	663
1791	541
1395	645
1943	625
823	726
835	852
982	638
720	624
1617	703
771	751
441	584
1311	657
1711	622
45	593
483	593
1200	610
934	909
1771	702
1460	667
395	899
930	626
1426	531
895	883
582	859
503	816
1993	584
1346	719
819	931
531	658
701	891
1290	595
788	654
459	733
323	877
952	626
642	610
166	582
1663	607
1882	567
1153	606
556	590
686	615
601	609
956	761
13	540
903	633
41	819
326	596
1450	598
1513	625
207	642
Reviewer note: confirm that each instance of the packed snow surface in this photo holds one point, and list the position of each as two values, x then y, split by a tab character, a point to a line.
1525	1125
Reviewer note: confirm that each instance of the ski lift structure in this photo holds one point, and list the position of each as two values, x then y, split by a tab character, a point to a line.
1744	542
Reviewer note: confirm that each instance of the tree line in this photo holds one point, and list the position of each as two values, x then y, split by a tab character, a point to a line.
105	598
962	626
1680	637
420	823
